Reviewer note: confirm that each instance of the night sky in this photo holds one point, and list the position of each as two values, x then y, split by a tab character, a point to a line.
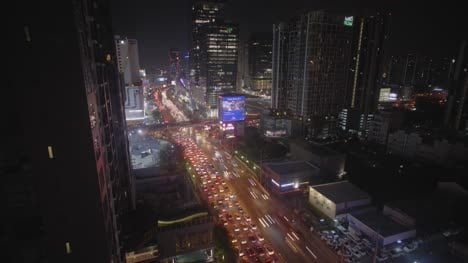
159	25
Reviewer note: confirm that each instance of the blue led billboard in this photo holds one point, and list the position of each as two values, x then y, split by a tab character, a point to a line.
233	108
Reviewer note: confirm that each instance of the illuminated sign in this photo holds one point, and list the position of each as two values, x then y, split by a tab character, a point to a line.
228	127
275	134
348	21
233	108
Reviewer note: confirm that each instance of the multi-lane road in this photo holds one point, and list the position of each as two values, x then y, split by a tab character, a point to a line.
293	241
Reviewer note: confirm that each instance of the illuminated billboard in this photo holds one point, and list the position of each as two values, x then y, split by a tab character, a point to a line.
233	108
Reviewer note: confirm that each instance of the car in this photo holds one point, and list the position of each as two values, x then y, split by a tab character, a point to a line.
251	252
244	241
238	217
236	228
241	253
269	250
247	218
253	226
260	237
409	248
234	240
252	238
260	251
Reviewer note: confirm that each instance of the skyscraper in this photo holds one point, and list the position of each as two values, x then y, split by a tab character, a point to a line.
204	13
219	60
409	73
174	63
74	135
260	45
279	91
311	55
456	111
370	33
128	59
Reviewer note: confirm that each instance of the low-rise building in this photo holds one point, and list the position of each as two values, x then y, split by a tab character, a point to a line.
287	177
403	143
330	162
377	227
414	145
339	198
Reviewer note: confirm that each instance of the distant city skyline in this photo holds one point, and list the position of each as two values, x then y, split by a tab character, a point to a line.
432	31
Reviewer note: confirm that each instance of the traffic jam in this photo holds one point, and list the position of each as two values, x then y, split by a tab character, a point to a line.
244	235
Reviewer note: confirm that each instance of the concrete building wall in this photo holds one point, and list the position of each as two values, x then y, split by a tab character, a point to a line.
321	203
400	236
399	216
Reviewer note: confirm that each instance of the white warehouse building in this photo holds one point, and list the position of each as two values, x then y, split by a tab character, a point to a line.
334	199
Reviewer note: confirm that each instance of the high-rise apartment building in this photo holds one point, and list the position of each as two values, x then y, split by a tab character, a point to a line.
219	60
311	57
128	59
259	62
204	13
74	134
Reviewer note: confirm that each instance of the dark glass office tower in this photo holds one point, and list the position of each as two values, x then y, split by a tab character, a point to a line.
73	126
260	45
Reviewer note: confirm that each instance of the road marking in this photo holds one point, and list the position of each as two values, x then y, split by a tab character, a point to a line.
261	222
294	234
310	251
264	222
253	195
268	217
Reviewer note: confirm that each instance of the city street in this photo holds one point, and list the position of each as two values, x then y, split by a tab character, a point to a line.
293	241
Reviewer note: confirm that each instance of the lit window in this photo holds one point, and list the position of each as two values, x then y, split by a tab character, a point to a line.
50	150
68	248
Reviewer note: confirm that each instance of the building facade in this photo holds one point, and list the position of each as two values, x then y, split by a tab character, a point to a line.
259	61
77	144
219	60
311	55
204	13
128	60
370	35
174	64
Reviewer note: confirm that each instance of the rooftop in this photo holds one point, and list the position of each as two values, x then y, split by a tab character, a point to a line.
323	151
340	192
285	168
379	223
